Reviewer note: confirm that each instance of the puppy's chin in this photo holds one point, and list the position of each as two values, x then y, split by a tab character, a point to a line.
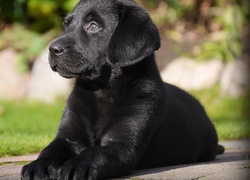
82	75
65	73
87	75
68	75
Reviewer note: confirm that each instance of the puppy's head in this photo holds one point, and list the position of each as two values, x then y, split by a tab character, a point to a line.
100	34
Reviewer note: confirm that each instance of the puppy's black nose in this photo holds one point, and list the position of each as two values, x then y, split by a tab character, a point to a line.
56	48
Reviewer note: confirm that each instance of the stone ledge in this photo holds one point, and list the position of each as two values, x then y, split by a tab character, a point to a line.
233	164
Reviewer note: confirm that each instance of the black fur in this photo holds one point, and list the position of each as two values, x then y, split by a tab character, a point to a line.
120	116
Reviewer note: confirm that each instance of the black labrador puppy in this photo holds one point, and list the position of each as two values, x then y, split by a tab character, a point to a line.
120	116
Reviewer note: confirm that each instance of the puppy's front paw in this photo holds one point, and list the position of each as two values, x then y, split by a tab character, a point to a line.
40	169
78	169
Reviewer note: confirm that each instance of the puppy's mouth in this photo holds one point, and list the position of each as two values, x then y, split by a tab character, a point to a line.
88	73
67	71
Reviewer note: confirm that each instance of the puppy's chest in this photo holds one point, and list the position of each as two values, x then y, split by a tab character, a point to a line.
108	110
106	102
105	109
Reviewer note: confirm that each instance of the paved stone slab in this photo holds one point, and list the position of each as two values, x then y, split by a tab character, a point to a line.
234	164
10	167
10	171
235	167
13	159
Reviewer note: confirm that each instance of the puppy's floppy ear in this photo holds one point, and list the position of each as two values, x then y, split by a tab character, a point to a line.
135	37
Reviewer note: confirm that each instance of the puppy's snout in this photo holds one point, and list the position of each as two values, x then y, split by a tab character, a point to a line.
56	49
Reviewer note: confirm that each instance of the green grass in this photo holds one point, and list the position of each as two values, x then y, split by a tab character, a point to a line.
28	126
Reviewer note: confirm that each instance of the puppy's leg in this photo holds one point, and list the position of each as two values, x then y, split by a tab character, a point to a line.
117	153
99	162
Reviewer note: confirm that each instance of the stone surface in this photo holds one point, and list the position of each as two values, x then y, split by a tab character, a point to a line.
234	170
45	84
12	84
235	79
234	164
192	75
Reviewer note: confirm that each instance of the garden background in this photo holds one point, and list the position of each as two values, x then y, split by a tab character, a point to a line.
208	37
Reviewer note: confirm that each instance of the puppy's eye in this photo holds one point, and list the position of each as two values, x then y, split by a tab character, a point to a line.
93	27
66	23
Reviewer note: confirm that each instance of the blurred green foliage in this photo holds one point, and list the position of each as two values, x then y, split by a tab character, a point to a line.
40	16
232	17
12	10
28	43
29	25
48	14
221	23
